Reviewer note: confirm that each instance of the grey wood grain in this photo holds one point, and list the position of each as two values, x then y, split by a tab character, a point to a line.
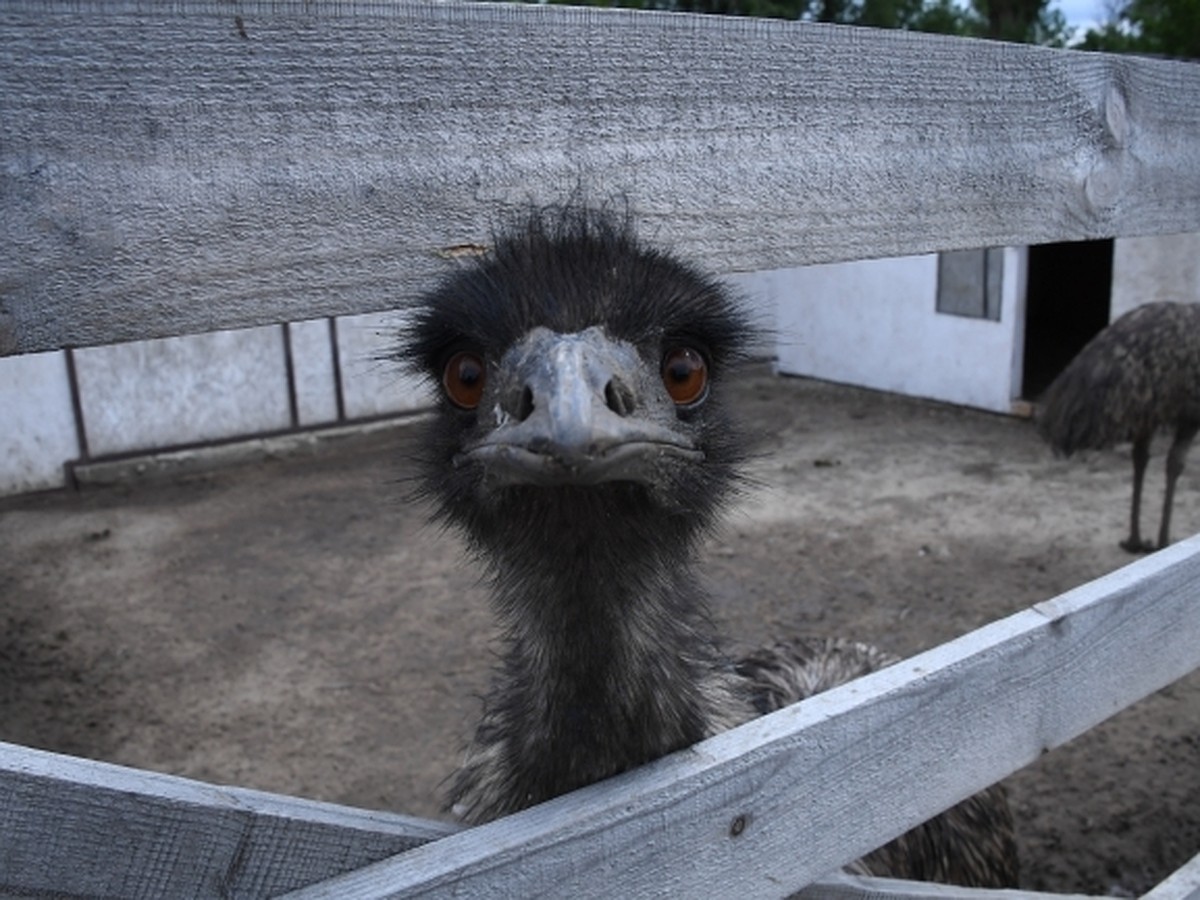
174	168
73	827
1183	884
842	886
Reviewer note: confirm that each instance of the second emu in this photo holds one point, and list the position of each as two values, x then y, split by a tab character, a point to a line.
1139	375
584	447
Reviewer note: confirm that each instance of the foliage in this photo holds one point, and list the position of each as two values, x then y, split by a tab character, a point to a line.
1011	20
1162	27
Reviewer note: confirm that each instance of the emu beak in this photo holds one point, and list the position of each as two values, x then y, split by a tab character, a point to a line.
578	409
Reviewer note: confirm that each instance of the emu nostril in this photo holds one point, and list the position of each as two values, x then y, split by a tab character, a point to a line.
619	397
524	405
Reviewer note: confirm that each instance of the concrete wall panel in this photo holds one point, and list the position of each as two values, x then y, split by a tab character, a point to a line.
312	367
37	424
1146	269
152	394
874	324
373	383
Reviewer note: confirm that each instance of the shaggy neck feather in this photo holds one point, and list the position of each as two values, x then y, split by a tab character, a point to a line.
609	662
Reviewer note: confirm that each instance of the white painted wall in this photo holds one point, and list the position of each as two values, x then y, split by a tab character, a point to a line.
314	377
372	383
866	323
1146	269
146	396
874	324
37	423
863	323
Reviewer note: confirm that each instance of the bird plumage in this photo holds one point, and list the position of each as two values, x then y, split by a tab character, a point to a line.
583	448
1139	375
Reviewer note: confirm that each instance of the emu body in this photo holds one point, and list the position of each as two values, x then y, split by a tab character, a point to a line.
583	448
1138	376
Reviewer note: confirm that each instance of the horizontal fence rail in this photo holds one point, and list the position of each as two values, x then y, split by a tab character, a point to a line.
170	168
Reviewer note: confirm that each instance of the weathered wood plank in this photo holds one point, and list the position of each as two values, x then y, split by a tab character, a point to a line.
174	168
819	783
73	827
1184	883
841	886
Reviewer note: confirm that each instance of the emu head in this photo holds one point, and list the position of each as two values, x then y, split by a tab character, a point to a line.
579	381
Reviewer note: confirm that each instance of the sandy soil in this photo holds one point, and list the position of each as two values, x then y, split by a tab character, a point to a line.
294	626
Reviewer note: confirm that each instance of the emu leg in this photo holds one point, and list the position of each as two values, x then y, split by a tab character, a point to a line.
1141	455
1184	433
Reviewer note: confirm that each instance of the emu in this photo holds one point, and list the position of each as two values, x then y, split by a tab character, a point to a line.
584	448
1139	375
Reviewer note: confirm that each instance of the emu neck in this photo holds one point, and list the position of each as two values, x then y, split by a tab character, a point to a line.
609	662
608	653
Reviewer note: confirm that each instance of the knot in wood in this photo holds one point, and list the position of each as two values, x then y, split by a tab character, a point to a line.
1116	118
1102	186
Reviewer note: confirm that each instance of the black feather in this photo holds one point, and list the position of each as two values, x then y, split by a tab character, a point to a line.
610	659
1137	376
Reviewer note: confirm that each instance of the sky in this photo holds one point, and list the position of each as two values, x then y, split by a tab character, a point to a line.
1081	14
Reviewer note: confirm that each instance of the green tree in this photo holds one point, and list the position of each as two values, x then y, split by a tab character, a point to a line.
1164	27
1024	21
1011	20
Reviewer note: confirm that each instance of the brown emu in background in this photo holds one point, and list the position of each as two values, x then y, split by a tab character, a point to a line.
1137	376
583	448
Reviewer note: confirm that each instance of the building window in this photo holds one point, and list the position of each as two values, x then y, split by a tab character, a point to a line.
969	283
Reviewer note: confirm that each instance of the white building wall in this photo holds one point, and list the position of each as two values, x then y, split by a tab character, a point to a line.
313	372
146	395
1147	269
372	382
875	324
37	422
867	323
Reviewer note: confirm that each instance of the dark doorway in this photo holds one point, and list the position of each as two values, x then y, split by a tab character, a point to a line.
1066	302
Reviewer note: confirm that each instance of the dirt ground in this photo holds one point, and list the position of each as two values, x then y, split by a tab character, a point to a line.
295	626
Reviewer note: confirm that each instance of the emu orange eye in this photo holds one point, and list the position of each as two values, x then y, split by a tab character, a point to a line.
685	373
463	378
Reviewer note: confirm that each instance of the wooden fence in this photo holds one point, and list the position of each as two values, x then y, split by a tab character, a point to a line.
170	168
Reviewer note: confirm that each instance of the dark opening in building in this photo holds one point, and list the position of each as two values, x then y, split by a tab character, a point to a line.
1067	301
